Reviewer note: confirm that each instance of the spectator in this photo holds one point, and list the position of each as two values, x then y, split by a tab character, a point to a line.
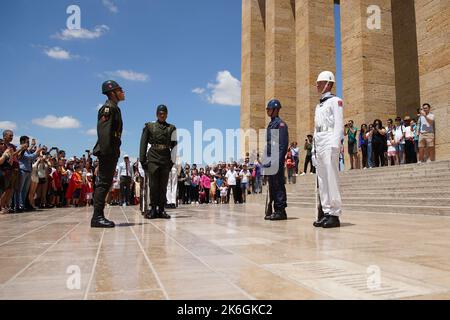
426	134
224	192
231	176
392	149
295	156
56	186
219	181
26	160
10	168
187	184
379	143
89	189
195	182
5	155
205	184
256	174
410	151
399	134
351	132
75	185
308	148
42	171
369	146
245	177
290	166
125	174
363	145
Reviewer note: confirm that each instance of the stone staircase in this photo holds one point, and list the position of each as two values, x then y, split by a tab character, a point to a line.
406	189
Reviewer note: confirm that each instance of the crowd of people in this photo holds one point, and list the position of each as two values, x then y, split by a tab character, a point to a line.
401	141
33	176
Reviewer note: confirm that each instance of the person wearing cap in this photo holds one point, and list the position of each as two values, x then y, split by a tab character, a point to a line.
158	160
126	176
277	138
107	149
328	137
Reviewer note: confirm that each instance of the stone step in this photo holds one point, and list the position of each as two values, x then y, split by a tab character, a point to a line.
397	194
404	167
369	185
383	208
379	200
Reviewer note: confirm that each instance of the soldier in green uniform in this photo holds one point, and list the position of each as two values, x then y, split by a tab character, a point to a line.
107	149
158	160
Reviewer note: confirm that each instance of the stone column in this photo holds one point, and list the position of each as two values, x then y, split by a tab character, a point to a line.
433	29
315	53
280	59
253	70
367	62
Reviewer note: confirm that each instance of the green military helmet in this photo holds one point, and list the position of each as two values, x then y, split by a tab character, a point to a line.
109	86
161	108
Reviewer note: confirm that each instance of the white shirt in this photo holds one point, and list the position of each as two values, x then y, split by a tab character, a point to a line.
231	177
329	123
245	175
123	170
398	134
425	126
409	133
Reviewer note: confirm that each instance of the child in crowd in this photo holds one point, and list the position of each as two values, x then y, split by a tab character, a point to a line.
223	192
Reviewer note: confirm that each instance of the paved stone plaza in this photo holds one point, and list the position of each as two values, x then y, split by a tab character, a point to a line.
223	252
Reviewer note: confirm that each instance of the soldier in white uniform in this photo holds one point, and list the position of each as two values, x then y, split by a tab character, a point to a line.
172	186
328	134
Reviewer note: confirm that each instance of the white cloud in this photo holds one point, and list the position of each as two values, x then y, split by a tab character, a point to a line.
128	75
68	34
92	132
199	90
226	91
58	53
8	125
53	122
111	6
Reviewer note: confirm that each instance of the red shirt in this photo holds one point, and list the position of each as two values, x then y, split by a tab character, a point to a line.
57	179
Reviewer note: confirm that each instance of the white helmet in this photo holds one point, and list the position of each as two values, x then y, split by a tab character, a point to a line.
326	76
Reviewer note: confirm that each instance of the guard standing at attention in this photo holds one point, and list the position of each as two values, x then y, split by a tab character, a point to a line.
107	149
158	160
276	149
328	137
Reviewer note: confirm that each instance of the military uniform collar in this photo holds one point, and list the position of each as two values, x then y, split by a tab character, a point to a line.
326	96
275	118
111	103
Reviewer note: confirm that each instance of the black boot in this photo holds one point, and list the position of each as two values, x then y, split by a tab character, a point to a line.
162	214
332	222
319	223
99	221
269	212
152	214
279	215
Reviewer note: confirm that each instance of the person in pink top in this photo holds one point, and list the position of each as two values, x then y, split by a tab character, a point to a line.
205	184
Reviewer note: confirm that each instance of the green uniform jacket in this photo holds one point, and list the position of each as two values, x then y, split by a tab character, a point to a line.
109	130
159	134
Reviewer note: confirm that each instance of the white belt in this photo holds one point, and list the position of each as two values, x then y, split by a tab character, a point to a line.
324	129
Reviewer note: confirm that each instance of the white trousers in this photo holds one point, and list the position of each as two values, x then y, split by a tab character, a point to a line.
172	187
328	177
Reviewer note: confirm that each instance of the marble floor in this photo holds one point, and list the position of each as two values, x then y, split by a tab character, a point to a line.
223	252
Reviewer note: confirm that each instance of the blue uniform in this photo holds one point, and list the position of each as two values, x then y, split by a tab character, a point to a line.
277	189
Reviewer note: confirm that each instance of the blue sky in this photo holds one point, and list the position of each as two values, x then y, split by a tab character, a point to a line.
159	51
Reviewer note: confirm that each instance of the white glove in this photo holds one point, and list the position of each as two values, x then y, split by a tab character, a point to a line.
314	160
